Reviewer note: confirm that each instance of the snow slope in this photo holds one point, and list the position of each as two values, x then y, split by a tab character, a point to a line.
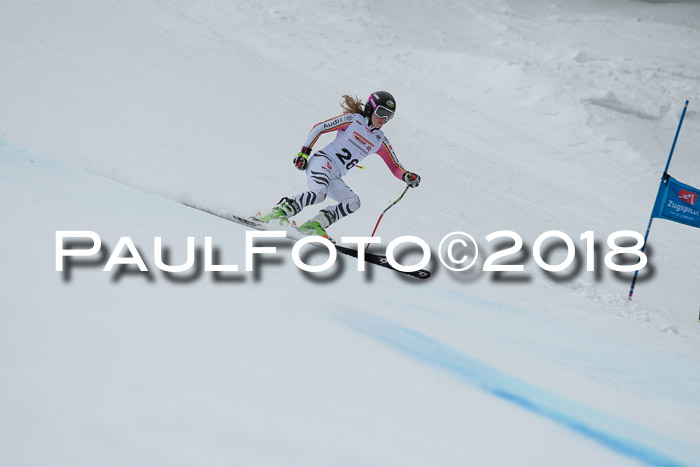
528	116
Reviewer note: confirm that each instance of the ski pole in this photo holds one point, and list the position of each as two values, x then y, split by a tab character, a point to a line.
664	179
382	215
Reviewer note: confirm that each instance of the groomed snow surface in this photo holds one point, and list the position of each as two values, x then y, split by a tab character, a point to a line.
526	115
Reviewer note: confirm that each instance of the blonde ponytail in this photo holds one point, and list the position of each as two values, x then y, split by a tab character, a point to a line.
352	105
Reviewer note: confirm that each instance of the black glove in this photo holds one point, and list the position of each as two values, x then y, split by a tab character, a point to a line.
411	179
302	159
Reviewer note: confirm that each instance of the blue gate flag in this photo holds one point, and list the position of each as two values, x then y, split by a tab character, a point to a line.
677	202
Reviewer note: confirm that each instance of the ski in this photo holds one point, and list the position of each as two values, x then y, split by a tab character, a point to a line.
245	221
379	260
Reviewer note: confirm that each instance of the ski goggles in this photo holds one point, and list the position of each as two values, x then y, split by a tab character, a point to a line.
383	112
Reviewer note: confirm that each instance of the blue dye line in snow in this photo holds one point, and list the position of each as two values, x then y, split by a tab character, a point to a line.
616	434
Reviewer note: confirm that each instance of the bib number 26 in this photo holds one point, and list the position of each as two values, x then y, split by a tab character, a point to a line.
346	159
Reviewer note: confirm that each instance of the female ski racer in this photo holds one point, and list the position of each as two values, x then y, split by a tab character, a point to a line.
358	135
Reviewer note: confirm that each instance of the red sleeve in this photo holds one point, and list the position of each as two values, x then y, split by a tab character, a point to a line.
386	152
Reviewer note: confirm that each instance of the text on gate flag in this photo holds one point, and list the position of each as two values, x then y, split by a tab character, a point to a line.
677	202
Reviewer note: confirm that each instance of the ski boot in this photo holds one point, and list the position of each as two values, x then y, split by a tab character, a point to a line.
282	211
317	225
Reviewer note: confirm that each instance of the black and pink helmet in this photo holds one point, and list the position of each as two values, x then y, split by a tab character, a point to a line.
382	103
